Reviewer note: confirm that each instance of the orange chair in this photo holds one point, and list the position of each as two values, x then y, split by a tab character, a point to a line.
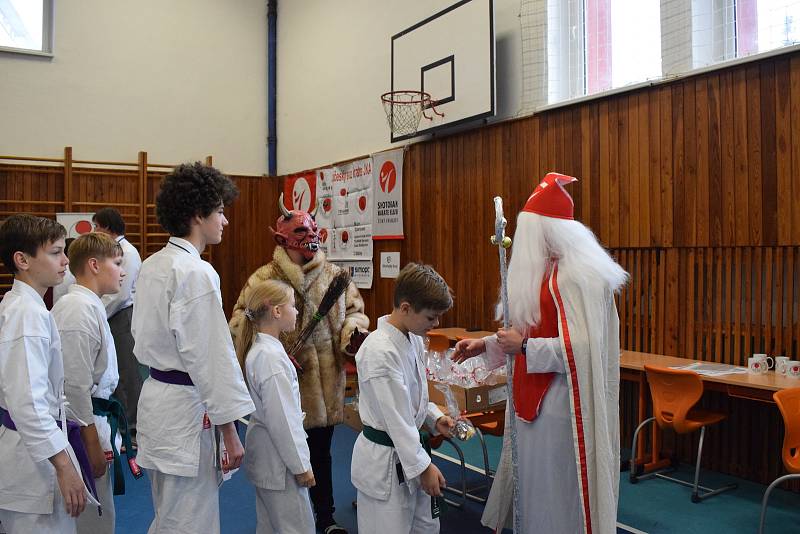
788	401
674	393
438	342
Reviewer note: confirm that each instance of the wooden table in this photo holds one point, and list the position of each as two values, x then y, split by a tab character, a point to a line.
456	333
745	385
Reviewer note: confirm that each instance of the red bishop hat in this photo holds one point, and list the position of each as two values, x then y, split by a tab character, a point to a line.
550	198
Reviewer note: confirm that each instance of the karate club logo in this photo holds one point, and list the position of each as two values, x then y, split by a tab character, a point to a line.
327	204
387	178
301	195
344	239
323	235
81	227
362	203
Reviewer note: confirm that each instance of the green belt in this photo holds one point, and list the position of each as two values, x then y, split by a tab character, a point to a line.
438	504
113	411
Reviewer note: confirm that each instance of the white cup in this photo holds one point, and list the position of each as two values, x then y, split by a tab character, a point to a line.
769	363
780	364
793	369
756	366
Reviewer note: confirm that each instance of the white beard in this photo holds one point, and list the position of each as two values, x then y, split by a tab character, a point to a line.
580	258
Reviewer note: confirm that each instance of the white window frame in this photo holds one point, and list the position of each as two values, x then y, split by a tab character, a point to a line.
48	16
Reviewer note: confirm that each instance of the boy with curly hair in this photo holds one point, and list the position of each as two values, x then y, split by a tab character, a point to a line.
181	334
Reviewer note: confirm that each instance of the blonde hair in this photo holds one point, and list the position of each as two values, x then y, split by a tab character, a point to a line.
258	299
91	245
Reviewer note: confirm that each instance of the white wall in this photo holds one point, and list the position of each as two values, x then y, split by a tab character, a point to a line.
180	79
334	62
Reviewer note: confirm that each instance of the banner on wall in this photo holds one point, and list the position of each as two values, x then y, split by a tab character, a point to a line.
388	214
345	196
360	272
299	191
76	224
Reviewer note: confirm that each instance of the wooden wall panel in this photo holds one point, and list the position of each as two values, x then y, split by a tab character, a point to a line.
693	185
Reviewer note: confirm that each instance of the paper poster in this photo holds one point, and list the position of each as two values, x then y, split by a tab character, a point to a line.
76	223
299	191
345	195
352	243
360	272
390	264
388	197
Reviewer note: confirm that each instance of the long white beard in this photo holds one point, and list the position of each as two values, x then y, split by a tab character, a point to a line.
580	258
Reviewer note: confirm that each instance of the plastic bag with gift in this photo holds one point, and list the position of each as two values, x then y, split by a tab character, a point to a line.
464	428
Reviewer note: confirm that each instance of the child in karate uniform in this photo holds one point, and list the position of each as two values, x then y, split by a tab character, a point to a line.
90	361
391	469
40	490
277	460
181	334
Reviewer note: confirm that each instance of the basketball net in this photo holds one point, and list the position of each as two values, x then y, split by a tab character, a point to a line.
405	109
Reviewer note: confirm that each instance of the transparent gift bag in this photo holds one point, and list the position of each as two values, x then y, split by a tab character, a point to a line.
463	429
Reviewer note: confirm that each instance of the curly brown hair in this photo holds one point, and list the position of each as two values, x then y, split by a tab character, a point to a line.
191	189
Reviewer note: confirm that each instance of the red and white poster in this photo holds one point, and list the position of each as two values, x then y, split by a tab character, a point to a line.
299	191
388	211
76	224
345	195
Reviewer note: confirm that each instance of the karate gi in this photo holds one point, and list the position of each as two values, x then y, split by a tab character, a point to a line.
61	289
276	447
119	307
576	430
393	397
31	385
179	324
90	370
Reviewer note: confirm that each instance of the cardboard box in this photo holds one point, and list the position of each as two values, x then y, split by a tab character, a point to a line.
351	417
477	399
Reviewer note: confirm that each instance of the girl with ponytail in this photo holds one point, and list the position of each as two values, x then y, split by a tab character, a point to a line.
277	459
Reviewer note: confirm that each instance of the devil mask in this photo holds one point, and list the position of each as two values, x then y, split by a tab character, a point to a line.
297	230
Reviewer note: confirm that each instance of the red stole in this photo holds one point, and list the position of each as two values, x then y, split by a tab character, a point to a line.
530	388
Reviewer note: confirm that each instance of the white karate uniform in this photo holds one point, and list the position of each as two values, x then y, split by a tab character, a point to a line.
61	289
178	324
31	382
90	370
393	397
276	447
131	263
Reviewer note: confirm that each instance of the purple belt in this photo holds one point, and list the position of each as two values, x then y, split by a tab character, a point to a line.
74	438
179	378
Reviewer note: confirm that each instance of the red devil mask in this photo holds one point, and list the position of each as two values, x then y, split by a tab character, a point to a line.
297	230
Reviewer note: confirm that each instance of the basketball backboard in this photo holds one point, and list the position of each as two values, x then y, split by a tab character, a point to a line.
449	55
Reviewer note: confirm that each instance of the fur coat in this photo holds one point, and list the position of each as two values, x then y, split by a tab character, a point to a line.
322	357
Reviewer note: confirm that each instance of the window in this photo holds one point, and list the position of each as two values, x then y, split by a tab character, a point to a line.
26	26
575	48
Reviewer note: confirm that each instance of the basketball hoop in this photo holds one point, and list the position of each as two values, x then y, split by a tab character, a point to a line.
404	110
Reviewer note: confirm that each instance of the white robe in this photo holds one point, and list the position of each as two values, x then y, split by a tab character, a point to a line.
276	447
568	464
393	397
131	263
90	370
61	289
178	324
31	382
